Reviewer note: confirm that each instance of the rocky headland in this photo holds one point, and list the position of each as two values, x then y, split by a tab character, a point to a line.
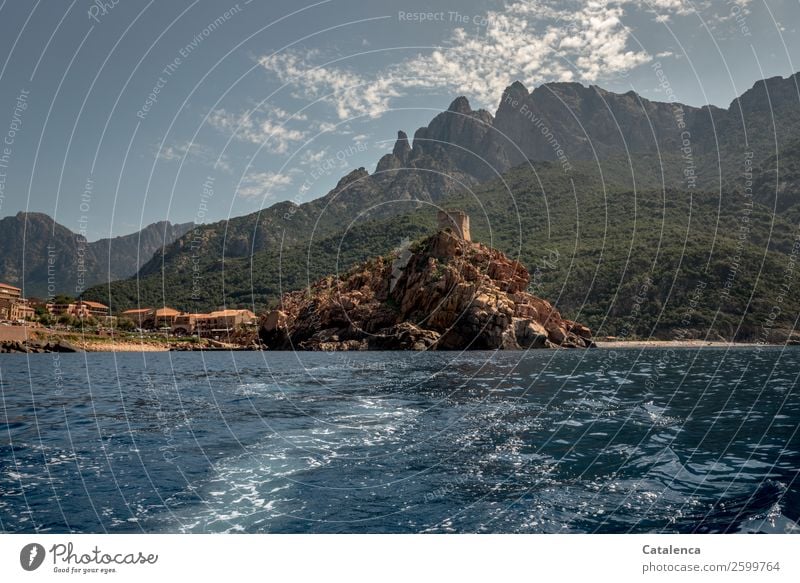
32	346
440	293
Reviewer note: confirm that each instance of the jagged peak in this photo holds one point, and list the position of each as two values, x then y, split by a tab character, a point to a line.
517	87
460	105
401	146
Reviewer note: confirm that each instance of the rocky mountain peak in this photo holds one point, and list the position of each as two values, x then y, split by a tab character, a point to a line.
455	141
517	88
460	105
32	216
401	147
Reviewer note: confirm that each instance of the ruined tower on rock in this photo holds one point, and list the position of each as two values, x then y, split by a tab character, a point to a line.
456	221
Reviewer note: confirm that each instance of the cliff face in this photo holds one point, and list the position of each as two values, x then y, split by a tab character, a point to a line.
441	293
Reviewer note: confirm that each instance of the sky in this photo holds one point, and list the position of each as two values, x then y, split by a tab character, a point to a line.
116	114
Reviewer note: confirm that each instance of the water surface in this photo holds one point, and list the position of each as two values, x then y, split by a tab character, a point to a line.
613	441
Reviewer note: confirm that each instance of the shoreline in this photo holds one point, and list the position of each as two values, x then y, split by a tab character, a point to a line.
600	344
679	344
35	339
41	341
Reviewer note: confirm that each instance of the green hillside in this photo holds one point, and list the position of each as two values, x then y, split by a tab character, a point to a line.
618	246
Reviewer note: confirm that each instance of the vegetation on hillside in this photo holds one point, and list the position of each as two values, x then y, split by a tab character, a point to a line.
619	246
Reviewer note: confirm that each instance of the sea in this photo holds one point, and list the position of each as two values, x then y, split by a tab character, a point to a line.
622	440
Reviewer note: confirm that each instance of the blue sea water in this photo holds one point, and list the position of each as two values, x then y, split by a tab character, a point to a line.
612	441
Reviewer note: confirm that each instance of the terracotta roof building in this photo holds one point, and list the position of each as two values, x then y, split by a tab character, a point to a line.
10	289
86	308
217	323
165	317
186	324
152	318
22	310
80	309
9	297
139	316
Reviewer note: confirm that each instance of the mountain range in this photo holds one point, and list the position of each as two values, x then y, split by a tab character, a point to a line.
46	258
615	189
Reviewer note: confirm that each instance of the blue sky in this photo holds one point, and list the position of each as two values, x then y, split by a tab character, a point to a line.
139	111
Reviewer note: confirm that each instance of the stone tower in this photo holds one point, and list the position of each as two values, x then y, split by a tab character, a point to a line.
457	221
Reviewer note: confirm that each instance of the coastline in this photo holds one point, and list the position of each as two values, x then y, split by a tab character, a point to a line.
27	339
602	344
606	344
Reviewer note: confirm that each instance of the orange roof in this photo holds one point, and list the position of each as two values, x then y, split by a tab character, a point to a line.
200	317
6	286
166	312
138	311
221	313
96	305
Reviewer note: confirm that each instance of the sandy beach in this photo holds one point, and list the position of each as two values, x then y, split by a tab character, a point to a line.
675	344
92	346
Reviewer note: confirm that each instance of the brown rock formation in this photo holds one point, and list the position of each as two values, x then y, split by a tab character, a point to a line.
441	293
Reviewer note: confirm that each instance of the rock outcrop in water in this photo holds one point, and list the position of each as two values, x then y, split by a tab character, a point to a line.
441	293
34	347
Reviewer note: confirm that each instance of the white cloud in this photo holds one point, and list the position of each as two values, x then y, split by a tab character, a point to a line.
173	153
680	7
533	42
313	157
263	184
270	130
326	127
349	92
194	152
284	115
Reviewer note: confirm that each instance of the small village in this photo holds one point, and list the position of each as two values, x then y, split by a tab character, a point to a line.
66	324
